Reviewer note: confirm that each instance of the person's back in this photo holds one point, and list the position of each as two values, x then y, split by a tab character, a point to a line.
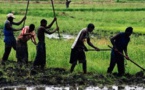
24	37
41	34
9	38
121	41
79	41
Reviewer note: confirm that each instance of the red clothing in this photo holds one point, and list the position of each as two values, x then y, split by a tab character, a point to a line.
24	35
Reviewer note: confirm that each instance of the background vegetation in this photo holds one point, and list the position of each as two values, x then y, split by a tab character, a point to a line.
109	17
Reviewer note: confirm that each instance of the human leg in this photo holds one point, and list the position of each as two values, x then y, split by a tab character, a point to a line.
84	67
67	3
25	56
72	67
73	59
40	59
120	65
112	63
6	53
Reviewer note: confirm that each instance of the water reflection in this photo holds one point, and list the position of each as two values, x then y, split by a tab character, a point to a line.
73	88
64	36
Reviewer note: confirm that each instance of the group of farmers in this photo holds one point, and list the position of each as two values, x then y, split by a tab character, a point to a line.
20	45
119	42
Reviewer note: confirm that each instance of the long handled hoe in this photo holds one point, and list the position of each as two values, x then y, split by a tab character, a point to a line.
55	16
100	50
129	59
26	11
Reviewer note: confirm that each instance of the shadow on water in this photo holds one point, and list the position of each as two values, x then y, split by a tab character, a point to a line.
73	88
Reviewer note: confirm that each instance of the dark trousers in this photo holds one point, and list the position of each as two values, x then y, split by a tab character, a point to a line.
84	66
67	3
40	59
22	52
78	54
7	52
119	60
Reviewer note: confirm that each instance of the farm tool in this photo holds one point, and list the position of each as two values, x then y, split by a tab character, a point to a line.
55	16
128	59
100	50
26	11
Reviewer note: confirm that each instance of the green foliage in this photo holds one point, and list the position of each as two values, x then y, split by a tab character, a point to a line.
109	18
105	15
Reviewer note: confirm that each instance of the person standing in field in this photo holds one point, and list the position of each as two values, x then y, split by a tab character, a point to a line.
67	3
40	59
120	43
9	39
21	45
78	48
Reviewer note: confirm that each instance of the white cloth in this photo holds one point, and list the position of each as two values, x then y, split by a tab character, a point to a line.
74	44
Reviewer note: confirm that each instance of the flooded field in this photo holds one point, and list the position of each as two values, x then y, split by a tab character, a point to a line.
64	36
72	88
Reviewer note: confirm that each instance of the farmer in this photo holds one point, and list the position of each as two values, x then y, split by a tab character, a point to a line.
40	59
67	3
21	47
120	43
78	47
9	39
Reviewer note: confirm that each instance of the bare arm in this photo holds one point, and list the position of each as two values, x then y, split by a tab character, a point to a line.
18	23
9	27
90	44
33	40
126	54
48	32
81	40
49	26
125	51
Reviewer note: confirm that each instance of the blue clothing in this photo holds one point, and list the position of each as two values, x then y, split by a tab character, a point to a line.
10	41
9	38
121	42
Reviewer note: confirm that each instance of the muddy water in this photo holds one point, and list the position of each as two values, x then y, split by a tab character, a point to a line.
72	88
64	36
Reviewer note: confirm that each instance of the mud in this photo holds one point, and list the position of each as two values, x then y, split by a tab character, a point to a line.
11	74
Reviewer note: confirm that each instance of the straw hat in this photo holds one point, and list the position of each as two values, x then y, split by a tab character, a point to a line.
10	15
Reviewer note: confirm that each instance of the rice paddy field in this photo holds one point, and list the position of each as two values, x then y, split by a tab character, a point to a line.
108	16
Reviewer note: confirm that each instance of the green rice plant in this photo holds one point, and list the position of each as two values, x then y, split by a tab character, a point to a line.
109	19
105	16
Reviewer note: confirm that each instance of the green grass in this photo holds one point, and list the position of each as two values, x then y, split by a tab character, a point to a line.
58	54
105	15
112	17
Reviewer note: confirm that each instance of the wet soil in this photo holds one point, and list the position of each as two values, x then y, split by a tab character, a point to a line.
12	74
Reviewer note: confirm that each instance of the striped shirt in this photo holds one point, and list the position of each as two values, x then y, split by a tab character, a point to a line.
24	37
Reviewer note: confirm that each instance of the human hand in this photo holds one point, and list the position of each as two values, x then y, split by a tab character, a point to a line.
24	18
127	57
115	49
97	49
55	19
86	49
57	28
35	43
